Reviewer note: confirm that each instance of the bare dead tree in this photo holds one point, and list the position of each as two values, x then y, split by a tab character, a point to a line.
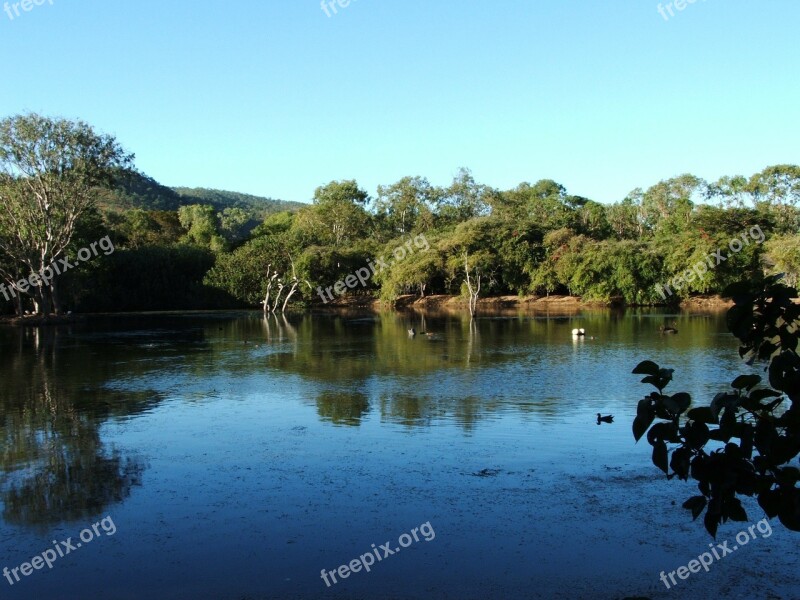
290	285
270	280
474	290
295	283
278	295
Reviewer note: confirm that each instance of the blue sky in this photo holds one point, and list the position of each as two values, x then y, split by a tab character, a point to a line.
275	98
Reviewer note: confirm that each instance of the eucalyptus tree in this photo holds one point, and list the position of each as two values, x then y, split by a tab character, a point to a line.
402	205
731	191
337	217
464	199
778	184
623	219
783	256
667	206
50	170
548	205
776	190
417	273
593	220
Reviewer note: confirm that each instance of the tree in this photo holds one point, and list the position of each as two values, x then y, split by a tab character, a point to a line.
667	206
49	170
730	192
776	190
623	219
783	256
401	204
233	224
416	272
592	220
544	203
472	279
247	272
337	216
755	430
137	228
200	223
777	185
464	199
279	222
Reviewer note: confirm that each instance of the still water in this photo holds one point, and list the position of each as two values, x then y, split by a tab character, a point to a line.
237	457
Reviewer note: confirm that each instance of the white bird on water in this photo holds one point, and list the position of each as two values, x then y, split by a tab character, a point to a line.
578	332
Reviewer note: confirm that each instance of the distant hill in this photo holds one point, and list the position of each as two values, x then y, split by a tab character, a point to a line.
137	190
221	199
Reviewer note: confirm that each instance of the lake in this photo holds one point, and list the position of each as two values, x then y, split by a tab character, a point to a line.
232	456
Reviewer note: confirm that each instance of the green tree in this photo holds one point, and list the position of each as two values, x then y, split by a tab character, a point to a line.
776	191
415	273
731	192
783	256
623	219
49	170
464	199
403	204
667	206
591	220
337	216
245	273
200	223
233	224
275	223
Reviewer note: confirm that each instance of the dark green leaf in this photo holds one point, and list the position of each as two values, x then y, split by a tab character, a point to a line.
770	501
735	511
646	367
677	403
680	462
788	476
727	424
789	520
759	395
641	424
661	456
702	414
711	521
696	504
746	382
652	380
697	434
667	432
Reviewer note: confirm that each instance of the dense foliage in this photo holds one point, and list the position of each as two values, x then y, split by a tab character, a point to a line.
742	444
534	239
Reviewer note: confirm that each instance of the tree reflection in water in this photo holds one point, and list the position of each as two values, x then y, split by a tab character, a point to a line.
55	466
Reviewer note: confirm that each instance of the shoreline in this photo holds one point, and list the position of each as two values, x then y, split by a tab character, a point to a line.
533	303
437	302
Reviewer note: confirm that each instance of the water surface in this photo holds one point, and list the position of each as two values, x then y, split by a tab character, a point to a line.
238	456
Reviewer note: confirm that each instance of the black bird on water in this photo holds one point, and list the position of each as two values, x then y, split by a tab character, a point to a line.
672	329
606	419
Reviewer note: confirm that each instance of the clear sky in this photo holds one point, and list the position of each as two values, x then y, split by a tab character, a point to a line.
273	97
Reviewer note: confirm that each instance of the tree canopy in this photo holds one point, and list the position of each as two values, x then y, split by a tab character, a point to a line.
61	180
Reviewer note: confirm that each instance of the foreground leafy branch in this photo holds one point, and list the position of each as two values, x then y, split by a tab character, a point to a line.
753	432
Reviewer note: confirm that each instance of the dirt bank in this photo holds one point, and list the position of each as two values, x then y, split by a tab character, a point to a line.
707	303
